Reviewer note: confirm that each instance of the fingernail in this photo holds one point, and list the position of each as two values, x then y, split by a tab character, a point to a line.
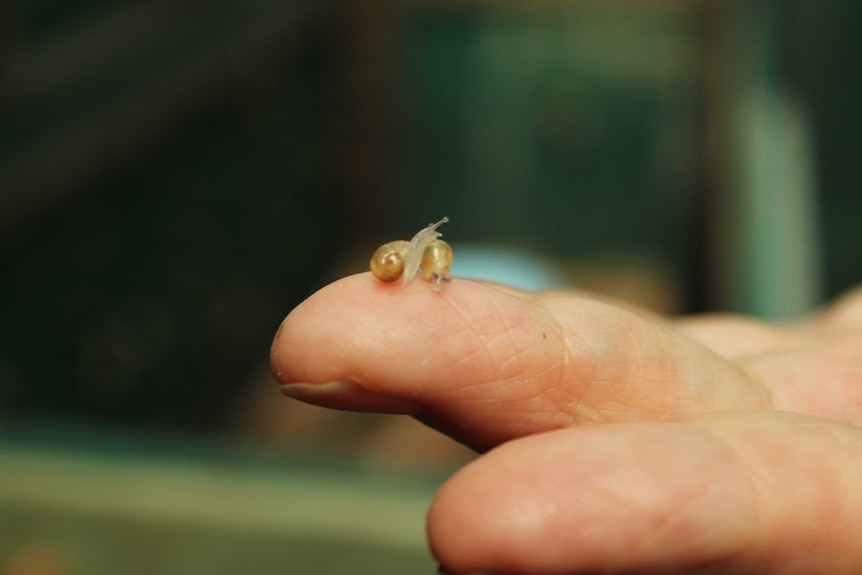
349	396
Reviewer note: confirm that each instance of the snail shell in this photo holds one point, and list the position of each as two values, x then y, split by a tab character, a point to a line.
436	260
401	259
387	263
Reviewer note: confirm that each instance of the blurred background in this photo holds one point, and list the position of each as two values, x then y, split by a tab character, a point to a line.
176	176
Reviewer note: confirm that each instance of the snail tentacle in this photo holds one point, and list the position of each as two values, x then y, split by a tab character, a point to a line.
417	248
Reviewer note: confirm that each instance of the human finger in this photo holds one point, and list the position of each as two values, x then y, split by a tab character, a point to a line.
488	364
733	493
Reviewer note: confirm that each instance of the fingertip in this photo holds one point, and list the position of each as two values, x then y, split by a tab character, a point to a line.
392	337
274	355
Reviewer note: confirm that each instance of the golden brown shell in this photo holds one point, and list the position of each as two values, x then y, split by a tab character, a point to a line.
436	260
387	263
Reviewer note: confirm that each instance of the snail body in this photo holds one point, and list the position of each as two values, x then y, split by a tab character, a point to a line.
402	259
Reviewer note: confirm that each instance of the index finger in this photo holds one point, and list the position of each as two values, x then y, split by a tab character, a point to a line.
487	364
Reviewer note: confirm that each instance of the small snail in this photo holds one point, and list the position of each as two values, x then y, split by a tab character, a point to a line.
401	259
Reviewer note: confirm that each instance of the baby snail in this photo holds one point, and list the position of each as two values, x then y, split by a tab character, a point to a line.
401	259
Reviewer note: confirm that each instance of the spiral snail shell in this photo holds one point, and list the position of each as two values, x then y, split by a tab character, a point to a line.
436	260
387	263
402	259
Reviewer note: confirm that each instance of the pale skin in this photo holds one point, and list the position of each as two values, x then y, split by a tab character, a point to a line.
612	440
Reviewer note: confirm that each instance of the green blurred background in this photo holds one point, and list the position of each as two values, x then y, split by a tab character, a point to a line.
175	176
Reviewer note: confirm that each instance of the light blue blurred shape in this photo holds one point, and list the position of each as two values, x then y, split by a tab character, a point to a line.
507	265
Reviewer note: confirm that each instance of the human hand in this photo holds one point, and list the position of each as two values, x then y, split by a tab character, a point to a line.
733	446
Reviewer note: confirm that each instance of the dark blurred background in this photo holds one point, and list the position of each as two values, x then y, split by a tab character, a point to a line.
176	176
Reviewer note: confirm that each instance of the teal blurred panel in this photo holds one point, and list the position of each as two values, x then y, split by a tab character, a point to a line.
772	240
822	48
780	260
572	131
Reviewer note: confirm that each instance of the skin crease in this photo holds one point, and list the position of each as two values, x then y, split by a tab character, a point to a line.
616	441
